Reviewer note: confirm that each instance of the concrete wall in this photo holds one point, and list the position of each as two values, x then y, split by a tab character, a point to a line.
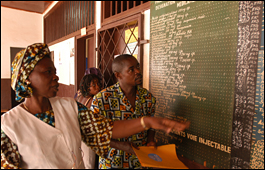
18	29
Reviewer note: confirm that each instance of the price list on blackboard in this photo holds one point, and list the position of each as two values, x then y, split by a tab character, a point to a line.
193	65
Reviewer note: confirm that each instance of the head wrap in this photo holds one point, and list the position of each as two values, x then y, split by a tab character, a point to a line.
23	65
93	70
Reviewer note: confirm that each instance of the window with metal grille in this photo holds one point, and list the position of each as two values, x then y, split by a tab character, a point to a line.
117	37
121	39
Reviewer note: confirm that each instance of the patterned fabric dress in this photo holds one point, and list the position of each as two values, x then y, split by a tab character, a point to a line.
113	104
10	157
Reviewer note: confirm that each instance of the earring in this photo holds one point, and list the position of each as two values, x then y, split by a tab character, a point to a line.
27	82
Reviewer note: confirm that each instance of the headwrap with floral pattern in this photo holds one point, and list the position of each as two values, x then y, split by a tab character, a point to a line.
23	65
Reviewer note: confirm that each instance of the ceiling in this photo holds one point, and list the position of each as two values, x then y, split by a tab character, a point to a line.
30	6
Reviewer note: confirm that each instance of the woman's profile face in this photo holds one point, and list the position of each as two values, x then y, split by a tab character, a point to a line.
43	78
94	87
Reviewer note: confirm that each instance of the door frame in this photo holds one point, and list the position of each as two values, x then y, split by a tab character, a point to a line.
80	55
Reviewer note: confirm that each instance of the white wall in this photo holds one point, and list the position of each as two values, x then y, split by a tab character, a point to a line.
18	29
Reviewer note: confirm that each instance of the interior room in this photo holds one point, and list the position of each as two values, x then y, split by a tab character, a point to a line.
202	61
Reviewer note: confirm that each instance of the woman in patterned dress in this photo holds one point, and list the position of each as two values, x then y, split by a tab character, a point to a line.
89	86
46	131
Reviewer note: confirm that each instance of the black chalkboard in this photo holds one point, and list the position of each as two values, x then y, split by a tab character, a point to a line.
194	62
257	144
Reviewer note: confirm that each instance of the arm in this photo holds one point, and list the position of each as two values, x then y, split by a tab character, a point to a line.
124	128
10	156
95	127
96	130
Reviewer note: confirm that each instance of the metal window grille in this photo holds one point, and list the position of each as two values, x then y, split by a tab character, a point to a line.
112	42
